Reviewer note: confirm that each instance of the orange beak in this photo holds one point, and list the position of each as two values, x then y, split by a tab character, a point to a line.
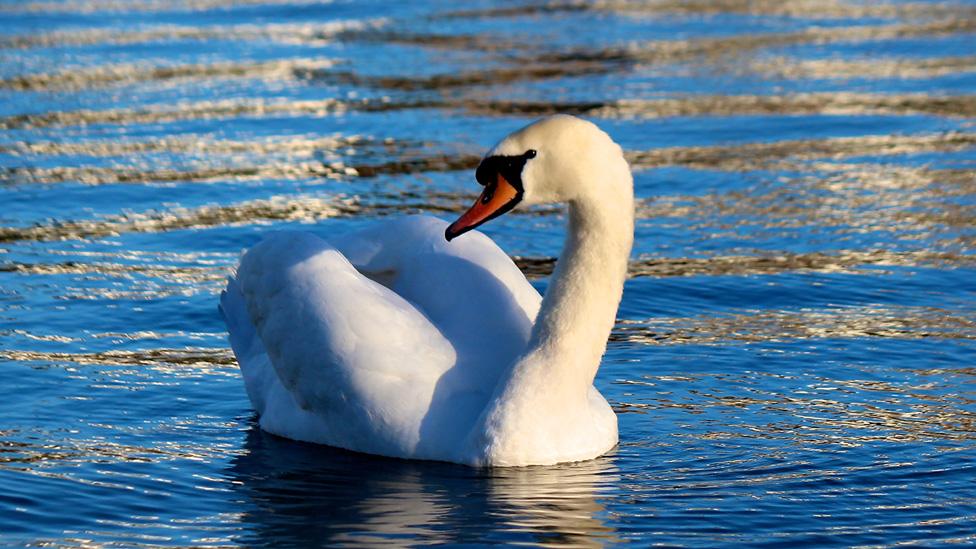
496	199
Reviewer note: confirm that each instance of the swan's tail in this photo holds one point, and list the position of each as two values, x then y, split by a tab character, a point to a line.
245	342
234	310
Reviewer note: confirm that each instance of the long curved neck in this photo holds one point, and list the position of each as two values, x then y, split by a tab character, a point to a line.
545	411
580	306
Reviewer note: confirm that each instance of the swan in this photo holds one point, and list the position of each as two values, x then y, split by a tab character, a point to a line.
407	339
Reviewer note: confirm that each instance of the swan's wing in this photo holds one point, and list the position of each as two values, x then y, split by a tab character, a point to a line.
404	244
348	350
469	288
395	353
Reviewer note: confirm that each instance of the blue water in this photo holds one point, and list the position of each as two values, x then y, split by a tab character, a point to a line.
795	357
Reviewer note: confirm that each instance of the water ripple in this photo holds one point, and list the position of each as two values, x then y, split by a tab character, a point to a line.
792	359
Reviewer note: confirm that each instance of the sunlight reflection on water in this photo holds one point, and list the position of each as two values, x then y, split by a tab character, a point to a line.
793	358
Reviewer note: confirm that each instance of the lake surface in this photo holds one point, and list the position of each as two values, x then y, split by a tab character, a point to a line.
795	357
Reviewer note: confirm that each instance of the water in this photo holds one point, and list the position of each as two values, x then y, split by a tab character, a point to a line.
794	357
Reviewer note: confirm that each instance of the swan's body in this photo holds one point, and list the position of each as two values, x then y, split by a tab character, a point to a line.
394	341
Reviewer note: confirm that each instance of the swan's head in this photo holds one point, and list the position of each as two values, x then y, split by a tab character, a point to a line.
560	158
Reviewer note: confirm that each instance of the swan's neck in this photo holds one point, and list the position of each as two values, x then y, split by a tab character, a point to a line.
546	409
580	306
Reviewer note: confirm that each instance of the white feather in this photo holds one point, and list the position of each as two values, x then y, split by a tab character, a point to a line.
393	341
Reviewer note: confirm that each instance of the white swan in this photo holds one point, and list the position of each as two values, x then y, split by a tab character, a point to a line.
396	341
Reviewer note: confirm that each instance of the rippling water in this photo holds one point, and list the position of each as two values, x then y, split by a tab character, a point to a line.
794	357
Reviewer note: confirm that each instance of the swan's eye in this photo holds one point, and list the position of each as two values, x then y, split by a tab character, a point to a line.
530	153
488	194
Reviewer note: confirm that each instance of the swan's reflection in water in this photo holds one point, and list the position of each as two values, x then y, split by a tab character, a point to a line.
307	495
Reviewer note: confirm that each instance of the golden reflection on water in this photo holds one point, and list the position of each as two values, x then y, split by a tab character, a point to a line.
43	453
778	325
150	280
818	411
559	505
795	155
792	155
830	103
839	68
316	493
124	6
297	147
282	32
845	261
717	50
129	74
183	361
279	208
811	9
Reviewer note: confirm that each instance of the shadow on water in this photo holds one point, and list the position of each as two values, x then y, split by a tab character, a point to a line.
297	494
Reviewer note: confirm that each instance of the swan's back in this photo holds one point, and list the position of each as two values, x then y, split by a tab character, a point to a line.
388	340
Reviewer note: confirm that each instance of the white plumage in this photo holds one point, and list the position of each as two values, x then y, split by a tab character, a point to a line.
394	341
